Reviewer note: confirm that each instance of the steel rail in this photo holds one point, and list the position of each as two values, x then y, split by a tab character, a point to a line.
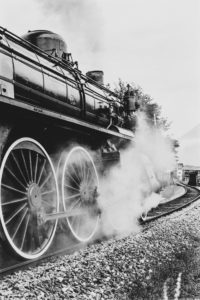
169	207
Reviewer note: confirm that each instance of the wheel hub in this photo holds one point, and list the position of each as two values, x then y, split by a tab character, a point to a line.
34	196
85	193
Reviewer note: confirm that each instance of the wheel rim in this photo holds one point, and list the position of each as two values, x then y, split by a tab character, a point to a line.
28	189
79	183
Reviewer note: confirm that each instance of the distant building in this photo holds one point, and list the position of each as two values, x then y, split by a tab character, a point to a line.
188	174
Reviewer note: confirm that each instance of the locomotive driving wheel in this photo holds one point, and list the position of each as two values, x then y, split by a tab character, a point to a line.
28	189
79	192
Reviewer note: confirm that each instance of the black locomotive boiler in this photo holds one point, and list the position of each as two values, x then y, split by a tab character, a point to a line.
47	106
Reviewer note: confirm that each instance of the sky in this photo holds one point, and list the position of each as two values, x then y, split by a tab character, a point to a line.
152	43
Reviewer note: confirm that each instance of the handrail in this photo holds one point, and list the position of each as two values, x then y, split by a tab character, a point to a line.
64	64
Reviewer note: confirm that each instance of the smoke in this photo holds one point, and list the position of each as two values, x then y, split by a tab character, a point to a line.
130	189
81	21
125	192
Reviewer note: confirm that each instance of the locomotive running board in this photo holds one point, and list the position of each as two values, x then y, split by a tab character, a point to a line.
126	134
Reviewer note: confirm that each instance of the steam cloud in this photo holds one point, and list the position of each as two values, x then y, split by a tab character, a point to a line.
81	21
129	189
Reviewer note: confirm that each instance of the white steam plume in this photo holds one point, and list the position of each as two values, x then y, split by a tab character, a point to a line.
129	189
81	21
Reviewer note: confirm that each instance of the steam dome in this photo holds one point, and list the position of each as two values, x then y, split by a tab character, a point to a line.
48	41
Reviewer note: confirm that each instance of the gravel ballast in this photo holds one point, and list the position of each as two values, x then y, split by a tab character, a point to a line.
145	265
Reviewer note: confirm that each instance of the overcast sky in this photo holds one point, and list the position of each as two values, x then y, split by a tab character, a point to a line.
153	43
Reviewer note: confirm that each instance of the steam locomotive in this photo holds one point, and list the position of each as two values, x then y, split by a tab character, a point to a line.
50	115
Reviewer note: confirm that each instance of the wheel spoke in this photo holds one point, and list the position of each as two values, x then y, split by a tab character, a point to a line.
15	201
36	167
48	192
87	177
81	167
14	176
30	164
25	231
41	171
16	213
70	187
78	225
75	218
25	166
89	183
22	219
73	179
76	204
45	181
73	196
75	173
12	188
17	164
48	204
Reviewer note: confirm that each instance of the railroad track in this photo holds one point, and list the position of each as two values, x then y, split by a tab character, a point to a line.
66	245
191	195
62	245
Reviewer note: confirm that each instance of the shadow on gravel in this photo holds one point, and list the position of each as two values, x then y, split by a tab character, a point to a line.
178	279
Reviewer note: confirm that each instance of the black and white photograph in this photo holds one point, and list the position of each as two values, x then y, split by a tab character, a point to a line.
100	149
